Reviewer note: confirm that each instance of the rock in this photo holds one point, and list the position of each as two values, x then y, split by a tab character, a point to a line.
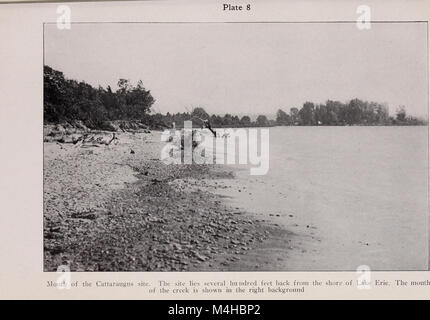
56	249
84	215
55	229
201	257
176	246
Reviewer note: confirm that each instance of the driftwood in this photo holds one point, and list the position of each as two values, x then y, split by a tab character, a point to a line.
73	138
96	140
86	140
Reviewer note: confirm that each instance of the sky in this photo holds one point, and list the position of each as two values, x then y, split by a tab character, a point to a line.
249	68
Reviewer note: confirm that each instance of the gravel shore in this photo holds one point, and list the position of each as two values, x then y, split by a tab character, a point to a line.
117	207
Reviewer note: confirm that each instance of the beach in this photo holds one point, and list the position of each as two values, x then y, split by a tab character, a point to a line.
117	207
334	198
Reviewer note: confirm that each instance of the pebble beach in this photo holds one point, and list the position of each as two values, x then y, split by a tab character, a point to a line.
117	207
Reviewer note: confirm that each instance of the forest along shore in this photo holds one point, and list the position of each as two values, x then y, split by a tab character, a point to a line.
110	204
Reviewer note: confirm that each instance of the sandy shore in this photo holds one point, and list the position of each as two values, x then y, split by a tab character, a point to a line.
118	208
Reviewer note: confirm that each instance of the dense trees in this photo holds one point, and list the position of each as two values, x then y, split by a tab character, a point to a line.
216	121
68	100
307	114
401	114
282	118
262	121
246	121
335	113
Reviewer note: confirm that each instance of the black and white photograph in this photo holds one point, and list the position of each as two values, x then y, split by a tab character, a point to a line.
246	146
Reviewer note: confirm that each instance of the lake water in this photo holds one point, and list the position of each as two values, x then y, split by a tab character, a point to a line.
351	196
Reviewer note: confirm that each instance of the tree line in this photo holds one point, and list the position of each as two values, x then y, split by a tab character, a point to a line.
67	100
354	112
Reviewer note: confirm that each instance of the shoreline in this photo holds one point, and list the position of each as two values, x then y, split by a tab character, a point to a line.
119	208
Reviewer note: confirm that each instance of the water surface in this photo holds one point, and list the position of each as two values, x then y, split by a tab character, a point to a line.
351	195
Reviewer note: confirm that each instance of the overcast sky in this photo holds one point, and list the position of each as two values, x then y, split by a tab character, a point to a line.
249	68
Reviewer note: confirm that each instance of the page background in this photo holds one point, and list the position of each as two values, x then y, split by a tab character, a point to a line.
21	144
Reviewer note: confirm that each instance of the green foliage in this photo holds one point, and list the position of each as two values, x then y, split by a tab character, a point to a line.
200	113
354	112
67	100
401	114
245	121
282	118
307	114
262	121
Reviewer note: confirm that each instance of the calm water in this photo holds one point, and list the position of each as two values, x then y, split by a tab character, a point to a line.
351	195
